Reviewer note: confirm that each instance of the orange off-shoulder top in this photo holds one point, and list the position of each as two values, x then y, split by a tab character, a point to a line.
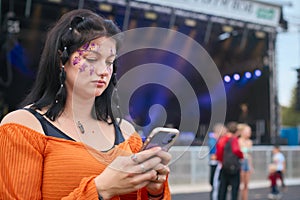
36	166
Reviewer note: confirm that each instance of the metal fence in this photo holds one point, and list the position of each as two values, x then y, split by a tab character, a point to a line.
190	164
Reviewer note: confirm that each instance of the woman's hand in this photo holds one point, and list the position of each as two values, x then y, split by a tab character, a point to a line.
156	187
130	173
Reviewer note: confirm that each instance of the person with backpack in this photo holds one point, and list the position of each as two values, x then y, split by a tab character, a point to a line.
219	129
229	155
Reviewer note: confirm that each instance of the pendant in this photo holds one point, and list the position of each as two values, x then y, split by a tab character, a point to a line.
80	126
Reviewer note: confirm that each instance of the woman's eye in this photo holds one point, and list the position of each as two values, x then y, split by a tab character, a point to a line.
91	59
108	63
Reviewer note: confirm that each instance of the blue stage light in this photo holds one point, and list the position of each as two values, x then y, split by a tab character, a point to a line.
227	78
257	73
236	77
248	75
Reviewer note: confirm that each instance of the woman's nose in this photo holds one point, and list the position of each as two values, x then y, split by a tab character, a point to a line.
102	69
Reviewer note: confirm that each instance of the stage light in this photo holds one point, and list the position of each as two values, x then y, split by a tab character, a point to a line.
227	78
260	34
150	15
248	75
105	7
227	29
257	73
236	77
190	22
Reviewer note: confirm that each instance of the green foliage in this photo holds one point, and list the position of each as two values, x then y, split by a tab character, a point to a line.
289	115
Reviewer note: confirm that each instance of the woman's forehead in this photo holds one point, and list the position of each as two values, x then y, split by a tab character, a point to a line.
102	42
103	45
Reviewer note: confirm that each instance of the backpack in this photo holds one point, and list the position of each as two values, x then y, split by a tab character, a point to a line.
231	163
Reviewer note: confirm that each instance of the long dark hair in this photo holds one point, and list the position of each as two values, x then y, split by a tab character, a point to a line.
72	30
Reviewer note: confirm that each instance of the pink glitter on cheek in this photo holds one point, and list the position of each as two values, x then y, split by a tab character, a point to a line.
92	70
82	67
76	60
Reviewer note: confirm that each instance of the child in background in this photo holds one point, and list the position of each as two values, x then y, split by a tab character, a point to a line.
273	176
279	160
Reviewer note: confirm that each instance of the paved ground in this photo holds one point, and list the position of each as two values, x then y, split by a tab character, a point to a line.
292	193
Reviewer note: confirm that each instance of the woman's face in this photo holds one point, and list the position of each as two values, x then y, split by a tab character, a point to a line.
90	68
246	132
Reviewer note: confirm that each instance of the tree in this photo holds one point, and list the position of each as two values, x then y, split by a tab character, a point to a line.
290	116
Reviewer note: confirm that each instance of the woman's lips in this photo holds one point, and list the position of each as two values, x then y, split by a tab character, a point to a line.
100	83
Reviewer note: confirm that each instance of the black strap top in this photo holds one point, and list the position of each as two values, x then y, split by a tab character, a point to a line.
50	130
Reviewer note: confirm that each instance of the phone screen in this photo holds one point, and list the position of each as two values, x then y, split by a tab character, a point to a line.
163	137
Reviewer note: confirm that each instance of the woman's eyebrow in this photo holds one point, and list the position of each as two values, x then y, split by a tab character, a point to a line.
98	53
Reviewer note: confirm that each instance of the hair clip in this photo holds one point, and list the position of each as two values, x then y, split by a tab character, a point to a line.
76	20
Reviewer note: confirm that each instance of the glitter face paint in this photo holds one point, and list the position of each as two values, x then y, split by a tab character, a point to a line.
92	70
83	67
86	49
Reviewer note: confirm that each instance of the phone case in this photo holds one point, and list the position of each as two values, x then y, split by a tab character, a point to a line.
161	136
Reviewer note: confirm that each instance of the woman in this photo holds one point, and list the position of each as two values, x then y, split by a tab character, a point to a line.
245	144
68	143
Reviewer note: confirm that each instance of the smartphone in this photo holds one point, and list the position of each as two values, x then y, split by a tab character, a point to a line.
161	136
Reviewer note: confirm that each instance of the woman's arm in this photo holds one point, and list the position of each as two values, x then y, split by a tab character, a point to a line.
21	163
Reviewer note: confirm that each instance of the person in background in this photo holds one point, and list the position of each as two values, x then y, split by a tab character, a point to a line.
279	160
69	141
273	176
229	179
245	116
218	130
245	144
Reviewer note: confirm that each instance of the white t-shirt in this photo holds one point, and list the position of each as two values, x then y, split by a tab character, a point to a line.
278	159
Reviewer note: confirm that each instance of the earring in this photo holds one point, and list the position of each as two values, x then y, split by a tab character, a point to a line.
62	76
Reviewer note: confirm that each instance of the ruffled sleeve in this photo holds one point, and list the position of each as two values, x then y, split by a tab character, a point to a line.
21	162
21	166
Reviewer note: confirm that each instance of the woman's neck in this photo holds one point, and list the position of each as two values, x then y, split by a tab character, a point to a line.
79	109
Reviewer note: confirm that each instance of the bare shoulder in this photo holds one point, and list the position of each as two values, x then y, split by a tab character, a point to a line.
24	118
250	143
127	128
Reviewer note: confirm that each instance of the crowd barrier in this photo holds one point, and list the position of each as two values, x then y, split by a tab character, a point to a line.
189	166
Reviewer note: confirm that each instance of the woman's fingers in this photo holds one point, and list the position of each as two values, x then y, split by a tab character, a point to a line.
165	156
162	169
147	165
145	155
160	178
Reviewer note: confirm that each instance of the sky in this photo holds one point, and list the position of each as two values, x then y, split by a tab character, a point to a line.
288	51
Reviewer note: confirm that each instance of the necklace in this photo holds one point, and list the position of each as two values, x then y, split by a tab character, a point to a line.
80	126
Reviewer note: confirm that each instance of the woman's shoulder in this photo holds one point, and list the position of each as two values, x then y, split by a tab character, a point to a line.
23	117
127	128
